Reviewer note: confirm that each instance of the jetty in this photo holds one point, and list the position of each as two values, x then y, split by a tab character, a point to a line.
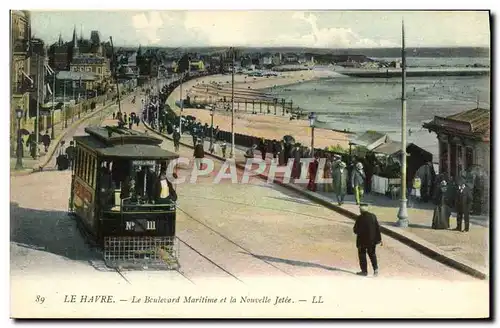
413	72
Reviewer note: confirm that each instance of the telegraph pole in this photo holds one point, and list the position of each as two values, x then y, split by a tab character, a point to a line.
52	134
37	129
403	211
232	107
116	75
182	106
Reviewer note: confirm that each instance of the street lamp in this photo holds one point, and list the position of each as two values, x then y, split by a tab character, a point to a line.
19	160
212	111
312	120
403	212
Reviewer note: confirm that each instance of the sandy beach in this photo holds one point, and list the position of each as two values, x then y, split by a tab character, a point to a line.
267	126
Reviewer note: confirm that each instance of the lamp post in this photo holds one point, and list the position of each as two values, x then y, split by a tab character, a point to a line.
52	133
403	212
19	160
212	111
312	119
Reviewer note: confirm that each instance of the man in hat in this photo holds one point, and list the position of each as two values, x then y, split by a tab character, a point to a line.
340	181
463	201
358	182
368	235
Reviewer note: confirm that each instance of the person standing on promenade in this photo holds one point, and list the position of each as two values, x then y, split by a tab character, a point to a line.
71	152
274	148
340	182
463	201
296	155
358	182
281	152
194	135
262	148
177	138
367	230
313	170
46	141
223	148
442	212
199	153
328	173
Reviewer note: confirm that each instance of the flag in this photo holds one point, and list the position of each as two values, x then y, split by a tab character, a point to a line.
26	84
49	69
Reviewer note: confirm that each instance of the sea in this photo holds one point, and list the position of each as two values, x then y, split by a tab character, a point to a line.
361	104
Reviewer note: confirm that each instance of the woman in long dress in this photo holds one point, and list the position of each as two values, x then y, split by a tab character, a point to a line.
442	212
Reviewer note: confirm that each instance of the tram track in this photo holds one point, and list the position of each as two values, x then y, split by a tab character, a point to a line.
208	259
247	251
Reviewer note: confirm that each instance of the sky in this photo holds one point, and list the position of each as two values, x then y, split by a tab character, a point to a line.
315	29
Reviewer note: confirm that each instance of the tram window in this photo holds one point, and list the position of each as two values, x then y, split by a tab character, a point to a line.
85	166
77	161
92	172
80	163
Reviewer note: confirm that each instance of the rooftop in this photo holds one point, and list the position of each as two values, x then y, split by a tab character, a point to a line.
75	76
473	123
88	59
478	118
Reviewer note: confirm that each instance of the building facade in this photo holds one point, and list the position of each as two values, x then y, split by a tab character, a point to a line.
464	145
19	68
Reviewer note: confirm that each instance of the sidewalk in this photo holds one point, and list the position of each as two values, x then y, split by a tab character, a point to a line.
467	252
30	165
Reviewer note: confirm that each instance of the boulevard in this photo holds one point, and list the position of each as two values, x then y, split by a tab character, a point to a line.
231	234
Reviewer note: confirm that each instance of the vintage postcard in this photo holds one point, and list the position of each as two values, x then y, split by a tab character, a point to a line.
250	164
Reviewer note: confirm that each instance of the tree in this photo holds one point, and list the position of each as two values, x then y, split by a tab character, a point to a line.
184	63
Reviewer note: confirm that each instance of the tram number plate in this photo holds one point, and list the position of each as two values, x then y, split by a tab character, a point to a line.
140	226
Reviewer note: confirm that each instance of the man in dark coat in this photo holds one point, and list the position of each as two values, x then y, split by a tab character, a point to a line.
368	235
262	148
199	153
46	141
71	152
177	138
463	201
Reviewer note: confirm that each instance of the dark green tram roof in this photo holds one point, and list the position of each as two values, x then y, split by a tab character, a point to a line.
112	135
123	143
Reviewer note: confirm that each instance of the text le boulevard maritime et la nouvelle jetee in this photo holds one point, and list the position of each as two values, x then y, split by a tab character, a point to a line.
276	300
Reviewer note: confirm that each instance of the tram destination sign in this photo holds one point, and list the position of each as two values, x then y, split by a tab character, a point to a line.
143	163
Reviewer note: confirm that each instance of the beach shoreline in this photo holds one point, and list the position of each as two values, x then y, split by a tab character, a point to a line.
267	126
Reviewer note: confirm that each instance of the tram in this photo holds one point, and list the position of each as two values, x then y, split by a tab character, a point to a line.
123	199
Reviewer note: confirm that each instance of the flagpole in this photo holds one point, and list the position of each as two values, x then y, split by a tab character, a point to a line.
37	128
403	212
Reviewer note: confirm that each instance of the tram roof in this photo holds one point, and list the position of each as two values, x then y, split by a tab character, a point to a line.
112	135
103	146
